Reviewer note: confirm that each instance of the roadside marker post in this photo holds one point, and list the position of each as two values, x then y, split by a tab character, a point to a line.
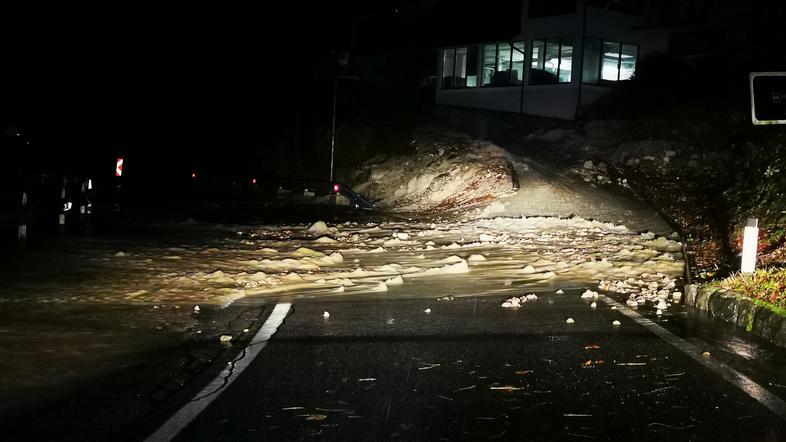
750	242
118	183
61	219
22	228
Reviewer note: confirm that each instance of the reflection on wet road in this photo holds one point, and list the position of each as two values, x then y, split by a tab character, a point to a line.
469	370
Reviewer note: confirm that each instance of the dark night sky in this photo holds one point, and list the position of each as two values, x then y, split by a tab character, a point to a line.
199	80
174	80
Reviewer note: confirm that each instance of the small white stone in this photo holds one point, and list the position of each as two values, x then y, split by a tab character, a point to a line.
560	292
326	314
531	297
594	304
513	302
428	310
225	338
662	305
196	309
615	322
570	321
659	312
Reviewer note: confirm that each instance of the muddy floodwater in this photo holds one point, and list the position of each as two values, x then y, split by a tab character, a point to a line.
83	307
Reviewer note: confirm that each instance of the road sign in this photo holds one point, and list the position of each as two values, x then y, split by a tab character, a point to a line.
768	98
119	167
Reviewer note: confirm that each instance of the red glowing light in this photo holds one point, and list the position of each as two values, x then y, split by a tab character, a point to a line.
119	167
336	188
253	180
193	174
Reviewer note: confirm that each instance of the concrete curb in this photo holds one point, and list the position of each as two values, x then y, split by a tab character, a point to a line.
739	310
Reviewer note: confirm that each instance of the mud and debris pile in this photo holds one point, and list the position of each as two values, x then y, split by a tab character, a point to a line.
441	171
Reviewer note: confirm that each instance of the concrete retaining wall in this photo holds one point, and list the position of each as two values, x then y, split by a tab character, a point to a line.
739	310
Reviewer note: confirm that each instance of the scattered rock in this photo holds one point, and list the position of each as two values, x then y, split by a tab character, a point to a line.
513	302
318	227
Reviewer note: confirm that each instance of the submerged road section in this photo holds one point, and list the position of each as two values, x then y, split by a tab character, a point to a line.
467	369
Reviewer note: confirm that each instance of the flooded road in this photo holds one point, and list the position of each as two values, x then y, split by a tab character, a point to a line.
87	307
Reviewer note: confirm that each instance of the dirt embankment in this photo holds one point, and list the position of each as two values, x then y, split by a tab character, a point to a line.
441	170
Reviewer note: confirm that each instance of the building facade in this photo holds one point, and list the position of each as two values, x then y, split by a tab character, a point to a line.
538	71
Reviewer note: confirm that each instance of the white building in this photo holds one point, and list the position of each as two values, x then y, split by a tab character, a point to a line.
537	71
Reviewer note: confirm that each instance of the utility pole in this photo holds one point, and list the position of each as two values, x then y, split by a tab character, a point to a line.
333	130
580	56
340	60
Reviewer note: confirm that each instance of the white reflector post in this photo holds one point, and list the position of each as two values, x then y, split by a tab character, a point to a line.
750	241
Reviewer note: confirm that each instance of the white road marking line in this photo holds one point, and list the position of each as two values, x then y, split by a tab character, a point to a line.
744	383
201	400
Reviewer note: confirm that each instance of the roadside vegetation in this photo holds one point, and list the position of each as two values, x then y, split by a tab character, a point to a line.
765	285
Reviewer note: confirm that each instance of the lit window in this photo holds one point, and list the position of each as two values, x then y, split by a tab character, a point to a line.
552	61
448	62
517	62
503	64
607	61
460	67
610	70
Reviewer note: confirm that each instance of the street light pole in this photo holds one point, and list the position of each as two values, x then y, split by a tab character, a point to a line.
580	56
333	131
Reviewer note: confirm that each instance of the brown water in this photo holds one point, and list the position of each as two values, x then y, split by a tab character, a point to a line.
81	308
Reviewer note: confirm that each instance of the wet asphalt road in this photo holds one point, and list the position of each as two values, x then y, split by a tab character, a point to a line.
470	370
